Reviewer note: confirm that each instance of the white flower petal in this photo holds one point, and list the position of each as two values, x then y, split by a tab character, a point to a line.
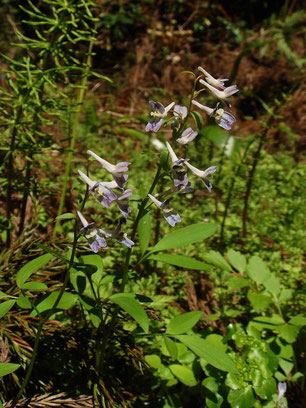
83	220
87	180
171	152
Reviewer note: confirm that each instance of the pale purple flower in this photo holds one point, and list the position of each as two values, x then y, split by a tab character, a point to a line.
224	95
92	234
180	112
118	171
118	236
159	113
123	202
168	212
282	388
223	119
178	168
103	194
218	83
187	136
204	175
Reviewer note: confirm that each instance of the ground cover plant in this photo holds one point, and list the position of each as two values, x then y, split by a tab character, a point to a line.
152	204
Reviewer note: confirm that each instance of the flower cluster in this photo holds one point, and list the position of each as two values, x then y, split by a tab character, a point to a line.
181	185
223	118
186	135
106	193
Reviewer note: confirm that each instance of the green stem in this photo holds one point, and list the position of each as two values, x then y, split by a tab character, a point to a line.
112	324
75	123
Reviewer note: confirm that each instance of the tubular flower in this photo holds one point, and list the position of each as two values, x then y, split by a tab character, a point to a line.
187	136
178	168
204	175
117	171
92	234
118	236
218	83
159	113
223	119
282	388
123	202
169	214
103	194
224	94
180	112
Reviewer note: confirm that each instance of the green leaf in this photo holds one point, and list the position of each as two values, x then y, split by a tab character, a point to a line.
133	308
237	260
258	270
67	301
298	320
171	347
181	260
288	332
23	302
183	323
154	361
8	368
241	398
258	301
35	286
184	374
144	232
29	268
238	283
6	306
267	389
273	285
133	132
197	117
184	236
212	353
216	259
66	216
222	140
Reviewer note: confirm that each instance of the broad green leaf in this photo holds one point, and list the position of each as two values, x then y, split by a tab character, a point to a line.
23	302
216	259
133	308
154	361
212	353
241	398
6	306
258	270
238	283
34	286
66	216
67	301
144	232
185	236
298	320
184	374
237	260
183	323
8	368
171	347
181	260
222	140
286	366
211	384
273	285
258	301
267	389
31	267
288	332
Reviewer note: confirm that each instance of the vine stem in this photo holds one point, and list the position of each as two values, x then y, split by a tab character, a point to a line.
75	122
